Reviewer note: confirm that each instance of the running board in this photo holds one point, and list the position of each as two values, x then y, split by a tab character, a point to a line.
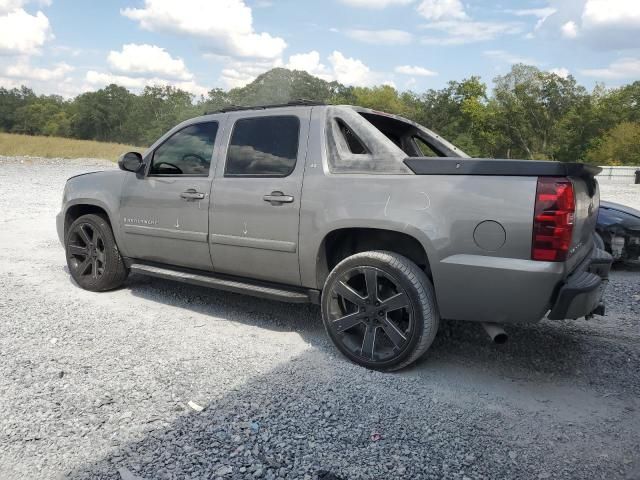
230	284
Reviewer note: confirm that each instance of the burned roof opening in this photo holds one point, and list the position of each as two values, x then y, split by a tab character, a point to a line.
405	134
402	134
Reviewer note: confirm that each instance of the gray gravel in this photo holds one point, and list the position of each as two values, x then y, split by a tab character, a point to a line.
97	386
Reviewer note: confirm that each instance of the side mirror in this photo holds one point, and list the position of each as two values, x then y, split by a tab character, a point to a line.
131	162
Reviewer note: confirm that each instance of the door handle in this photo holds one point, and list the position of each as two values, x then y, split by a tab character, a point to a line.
191	194
277	197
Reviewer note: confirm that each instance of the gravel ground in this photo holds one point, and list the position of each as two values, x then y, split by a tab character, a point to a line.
624	194
98	386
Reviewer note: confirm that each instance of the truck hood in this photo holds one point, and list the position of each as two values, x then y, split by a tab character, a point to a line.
86	173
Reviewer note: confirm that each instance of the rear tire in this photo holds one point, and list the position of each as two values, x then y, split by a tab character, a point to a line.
93	257
379	309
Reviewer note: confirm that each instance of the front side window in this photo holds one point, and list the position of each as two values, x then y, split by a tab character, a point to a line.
186	152
263	147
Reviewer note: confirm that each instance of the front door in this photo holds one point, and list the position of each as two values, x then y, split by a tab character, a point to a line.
256	196
164	213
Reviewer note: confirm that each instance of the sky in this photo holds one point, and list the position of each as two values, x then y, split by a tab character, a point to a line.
68	47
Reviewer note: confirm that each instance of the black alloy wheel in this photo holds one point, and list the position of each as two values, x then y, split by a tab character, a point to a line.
86	250
93	257
379	310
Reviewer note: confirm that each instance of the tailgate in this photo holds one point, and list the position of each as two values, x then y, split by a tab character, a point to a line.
587	198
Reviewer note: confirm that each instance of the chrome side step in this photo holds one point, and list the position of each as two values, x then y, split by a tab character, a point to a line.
230	284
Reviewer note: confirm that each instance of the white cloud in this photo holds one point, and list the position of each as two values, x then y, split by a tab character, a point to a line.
237	73
412	82
414	70
619	69
346	70
100	79
561	72
510	58
64	87
226	26
542	14
569	29
310	63
599	24
235	78
442	10
377	4
449	18
611	13
458	33
7	6
137	66
534	12
22	33
24	71
381	37
349	71
148	60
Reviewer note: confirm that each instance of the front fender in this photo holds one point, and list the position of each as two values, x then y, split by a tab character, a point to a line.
102	190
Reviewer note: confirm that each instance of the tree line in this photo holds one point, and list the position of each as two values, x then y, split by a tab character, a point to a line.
528	113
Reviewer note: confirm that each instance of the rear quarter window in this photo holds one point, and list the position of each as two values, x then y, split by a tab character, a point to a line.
354	145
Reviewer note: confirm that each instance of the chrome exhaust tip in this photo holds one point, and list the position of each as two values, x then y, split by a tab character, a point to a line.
496	333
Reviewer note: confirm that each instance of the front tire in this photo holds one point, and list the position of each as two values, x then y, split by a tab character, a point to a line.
93	257
379	309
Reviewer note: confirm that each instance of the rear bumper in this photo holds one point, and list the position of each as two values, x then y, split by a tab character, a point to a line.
581	294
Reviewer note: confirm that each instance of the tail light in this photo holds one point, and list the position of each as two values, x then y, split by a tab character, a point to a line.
553	219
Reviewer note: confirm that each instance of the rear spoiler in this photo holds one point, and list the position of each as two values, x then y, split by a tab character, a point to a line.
498	167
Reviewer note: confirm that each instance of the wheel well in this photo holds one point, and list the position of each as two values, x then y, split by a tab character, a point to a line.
343	243
76	211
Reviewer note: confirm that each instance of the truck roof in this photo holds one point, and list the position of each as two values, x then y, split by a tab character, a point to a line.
293	103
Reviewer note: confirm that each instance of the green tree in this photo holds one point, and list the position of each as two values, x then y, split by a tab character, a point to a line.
44	115
530	104
618	146
529	114
280	85
157	110
102	115
384	98
10	102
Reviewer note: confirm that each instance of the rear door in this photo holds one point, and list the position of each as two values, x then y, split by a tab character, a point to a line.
165	212
254	218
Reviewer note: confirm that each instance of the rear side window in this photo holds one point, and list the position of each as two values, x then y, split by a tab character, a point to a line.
424	149
353	142
186	152
354	145
263	146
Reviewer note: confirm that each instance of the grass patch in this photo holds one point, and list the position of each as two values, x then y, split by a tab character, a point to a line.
55	147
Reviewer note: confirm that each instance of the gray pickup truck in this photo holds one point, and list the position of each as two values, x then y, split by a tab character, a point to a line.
383	223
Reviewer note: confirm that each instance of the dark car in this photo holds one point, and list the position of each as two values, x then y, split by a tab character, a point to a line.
618	229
